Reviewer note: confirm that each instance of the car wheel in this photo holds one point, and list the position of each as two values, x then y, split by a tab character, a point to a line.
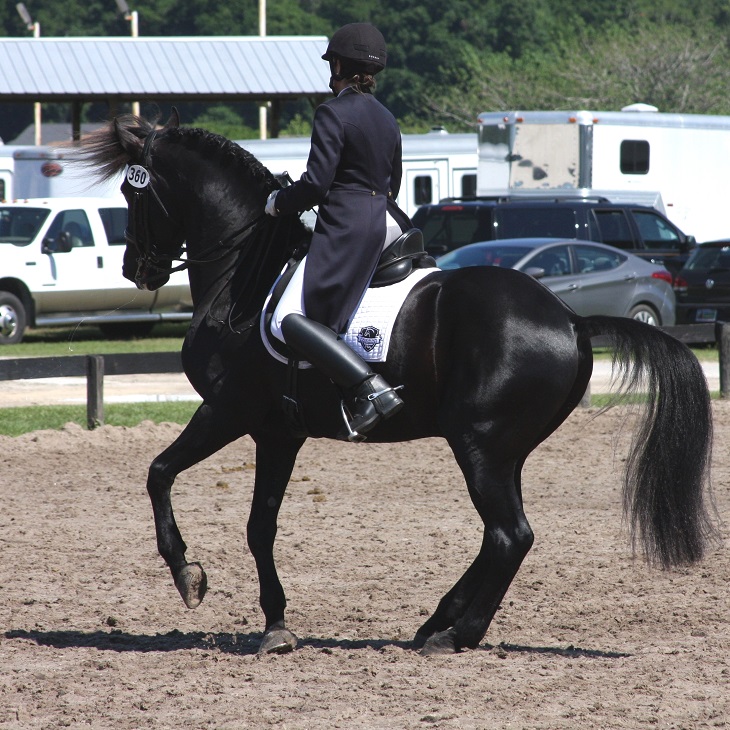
13	319
645	313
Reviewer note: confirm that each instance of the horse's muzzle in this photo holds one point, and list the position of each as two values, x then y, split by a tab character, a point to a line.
142	272
149	277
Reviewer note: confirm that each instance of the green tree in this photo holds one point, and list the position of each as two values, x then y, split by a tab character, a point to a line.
449	61
666	66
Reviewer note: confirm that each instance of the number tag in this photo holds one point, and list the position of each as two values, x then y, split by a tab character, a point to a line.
138	176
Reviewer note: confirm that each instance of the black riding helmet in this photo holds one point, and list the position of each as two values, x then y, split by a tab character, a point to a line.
360	43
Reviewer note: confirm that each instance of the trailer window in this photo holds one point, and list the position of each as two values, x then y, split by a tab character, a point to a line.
468	186
423	189
634	157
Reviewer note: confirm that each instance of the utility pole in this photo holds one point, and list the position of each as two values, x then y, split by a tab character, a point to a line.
133	17
36	28
263	126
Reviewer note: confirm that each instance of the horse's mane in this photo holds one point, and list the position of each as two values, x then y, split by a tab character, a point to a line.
103	149
223	151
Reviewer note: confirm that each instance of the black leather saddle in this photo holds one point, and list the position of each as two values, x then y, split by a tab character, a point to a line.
400	258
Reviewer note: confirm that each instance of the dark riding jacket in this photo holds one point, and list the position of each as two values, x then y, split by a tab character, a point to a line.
353	174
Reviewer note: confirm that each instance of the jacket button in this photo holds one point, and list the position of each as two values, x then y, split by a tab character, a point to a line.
372	193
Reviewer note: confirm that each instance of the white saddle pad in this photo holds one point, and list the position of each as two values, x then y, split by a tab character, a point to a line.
371	326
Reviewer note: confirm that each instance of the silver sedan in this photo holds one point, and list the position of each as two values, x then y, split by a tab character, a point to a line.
591	278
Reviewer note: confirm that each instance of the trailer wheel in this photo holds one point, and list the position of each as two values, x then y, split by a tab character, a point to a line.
645	313
13	319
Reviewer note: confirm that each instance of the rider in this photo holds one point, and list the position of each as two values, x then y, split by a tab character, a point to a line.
353	174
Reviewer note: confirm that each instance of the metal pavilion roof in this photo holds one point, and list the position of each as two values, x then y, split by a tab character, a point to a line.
233	68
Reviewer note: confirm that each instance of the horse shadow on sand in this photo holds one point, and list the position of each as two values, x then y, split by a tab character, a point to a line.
248	643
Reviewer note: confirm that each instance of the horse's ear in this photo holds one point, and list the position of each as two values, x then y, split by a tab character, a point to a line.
174	120
131	144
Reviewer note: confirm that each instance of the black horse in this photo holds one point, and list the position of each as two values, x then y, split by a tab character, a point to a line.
489	359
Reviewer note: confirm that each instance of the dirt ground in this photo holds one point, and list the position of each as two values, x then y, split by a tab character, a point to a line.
94	635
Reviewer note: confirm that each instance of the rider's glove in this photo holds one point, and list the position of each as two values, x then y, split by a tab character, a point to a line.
270	207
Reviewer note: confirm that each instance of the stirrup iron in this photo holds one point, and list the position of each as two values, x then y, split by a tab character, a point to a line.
354	436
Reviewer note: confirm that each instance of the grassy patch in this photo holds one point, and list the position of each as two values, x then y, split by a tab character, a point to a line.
88	340
17	421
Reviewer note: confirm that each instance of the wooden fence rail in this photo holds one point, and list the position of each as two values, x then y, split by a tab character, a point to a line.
95	367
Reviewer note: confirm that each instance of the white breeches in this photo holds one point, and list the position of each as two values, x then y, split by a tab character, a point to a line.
292	300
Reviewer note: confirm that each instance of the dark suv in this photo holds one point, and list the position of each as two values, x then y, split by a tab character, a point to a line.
640	229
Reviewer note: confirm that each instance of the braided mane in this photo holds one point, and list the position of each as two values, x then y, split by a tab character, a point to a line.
223	151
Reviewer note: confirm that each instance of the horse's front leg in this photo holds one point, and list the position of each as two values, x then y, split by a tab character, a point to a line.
207	433
275	458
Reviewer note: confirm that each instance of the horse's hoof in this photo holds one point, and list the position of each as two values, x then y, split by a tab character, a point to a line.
192	583
419	640
439	644
278	641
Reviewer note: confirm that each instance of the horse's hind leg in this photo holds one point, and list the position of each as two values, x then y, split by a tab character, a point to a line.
206	434
465	612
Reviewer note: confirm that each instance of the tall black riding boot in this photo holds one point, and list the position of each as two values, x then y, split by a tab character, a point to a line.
374	400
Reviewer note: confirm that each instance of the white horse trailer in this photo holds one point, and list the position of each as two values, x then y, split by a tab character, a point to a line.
48	172
676	162
436	165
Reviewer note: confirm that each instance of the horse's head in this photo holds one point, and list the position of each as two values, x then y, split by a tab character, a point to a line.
154	238
183	186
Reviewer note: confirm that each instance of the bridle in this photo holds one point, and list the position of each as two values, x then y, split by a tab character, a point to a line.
138	234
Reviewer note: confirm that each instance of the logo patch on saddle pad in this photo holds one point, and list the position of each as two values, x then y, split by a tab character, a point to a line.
369	338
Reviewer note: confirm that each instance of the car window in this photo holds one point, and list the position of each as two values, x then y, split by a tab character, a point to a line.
535	221
656	232
115	223
20	226
555	261
592	258
74	224
707	258
614	228
454	226
503	256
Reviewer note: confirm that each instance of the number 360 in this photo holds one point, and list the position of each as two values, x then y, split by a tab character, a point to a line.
138	176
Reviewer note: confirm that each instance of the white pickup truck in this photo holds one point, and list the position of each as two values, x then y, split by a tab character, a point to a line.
61	264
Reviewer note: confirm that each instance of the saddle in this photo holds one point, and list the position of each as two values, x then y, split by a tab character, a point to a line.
399	260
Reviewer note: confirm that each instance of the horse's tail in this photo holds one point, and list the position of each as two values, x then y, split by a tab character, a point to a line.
666	486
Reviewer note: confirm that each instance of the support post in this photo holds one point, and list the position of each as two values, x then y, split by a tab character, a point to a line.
94	391
585	401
